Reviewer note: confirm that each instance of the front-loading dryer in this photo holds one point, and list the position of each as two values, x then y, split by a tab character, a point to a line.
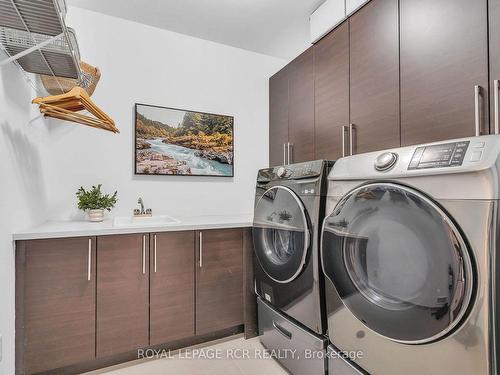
409	251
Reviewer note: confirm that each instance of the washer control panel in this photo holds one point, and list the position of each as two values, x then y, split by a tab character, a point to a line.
439	156
294	171
298	171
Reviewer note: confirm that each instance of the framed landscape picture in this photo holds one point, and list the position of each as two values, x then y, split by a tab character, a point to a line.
171	141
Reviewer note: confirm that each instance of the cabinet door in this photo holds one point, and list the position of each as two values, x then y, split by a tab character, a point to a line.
374	104
56	303
122	293
301	108
444	55
219	280
495	62
331	92
278	117
171	287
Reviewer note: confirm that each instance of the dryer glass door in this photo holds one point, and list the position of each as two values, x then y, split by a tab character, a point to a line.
398	262
281	234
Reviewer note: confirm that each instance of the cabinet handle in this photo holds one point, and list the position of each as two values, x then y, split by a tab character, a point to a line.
496	84
282	331
477	110
290	157
351	139
344	130
143	254
201	249
155	251
284	153
89	264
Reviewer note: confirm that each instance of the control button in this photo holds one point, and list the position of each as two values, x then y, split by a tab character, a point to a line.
479	145
476	156
281	172
386	161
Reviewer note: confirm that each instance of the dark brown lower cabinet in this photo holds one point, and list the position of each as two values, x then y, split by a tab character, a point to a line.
219	280
122	293
55	303
171	286
93	301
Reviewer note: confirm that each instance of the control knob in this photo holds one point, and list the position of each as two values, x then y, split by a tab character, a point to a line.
386	161
281	172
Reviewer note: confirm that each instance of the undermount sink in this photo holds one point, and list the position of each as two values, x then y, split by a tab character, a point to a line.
144	221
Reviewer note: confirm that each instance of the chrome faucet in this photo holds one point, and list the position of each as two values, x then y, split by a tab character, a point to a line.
142	212
141	202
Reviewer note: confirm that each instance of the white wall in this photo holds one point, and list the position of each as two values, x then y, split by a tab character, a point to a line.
148	65
23	188
42	163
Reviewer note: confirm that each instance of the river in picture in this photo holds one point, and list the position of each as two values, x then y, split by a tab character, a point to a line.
198	165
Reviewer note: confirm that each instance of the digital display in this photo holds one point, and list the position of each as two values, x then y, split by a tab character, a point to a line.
439	156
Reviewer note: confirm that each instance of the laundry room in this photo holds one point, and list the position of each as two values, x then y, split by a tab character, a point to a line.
249	187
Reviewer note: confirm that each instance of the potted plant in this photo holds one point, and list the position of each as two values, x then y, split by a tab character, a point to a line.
94	202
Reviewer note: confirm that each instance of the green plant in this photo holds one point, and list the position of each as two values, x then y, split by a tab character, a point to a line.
94	199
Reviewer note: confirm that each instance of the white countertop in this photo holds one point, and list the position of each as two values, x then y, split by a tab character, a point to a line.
59	229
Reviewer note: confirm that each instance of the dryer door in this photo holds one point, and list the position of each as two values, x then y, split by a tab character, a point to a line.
281	234
398	262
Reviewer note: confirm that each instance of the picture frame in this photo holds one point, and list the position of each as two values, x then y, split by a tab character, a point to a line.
179	142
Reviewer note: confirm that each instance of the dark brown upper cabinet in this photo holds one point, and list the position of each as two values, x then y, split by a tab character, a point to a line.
444	69
374	77
171	286
55	308
122	293
219	280
301	108
494	23
331	66
278	117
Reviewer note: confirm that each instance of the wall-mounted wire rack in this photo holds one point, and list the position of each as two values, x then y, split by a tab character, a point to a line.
35	37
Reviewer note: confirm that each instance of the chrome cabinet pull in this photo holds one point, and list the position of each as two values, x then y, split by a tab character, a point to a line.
496	84
155	251
477	110
89	264
201	249
143	254
351	139
284	153
344	130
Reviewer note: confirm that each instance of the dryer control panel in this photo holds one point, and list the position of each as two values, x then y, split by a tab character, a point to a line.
439	156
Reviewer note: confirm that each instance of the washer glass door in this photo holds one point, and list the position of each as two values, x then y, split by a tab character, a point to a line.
281	234
398	262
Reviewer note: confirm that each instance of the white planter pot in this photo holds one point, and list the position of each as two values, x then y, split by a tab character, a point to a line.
96	215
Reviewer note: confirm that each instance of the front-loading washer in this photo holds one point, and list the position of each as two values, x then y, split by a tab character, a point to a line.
288	214
409	251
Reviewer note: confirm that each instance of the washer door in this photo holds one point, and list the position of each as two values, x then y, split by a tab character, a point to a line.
398	262
281	234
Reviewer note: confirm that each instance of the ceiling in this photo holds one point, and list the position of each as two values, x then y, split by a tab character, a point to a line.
277	28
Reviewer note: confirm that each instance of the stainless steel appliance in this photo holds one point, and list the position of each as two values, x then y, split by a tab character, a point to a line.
289	209
409	250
